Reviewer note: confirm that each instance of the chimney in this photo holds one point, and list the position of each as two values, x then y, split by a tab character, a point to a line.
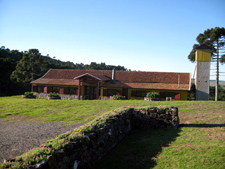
178	80
113	76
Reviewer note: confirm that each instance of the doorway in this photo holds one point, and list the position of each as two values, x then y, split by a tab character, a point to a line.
90	92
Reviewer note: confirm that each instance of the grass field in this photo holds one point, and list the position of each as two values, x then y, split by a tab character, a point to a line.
198	143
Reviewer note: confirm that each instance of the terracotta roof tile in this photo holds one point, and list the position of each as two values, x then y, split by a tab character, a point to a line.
72	73
159	86
126	79
69	82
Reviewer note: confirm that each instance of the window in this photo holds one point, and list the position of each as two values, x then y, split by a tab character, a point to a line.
162	94
111	92
55	89
141	93
105	93
73	90
40	89
133	93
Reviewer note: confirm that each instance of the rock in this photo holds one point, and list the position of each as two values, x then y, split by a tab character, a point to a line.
68	149
76	163
41	165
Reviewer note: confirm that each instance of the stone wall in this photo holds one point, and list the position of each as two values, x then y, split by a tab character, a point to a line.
104	98
84	152
63	97
68	97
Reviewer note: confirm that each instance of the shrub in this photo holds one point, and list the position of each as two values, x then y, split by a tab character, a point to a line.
14	165
35	155
152	95
53	95
117	95
28	94
56	144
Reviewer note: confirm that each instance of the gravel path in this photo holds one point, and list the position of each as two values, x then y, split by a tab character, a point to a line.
17	138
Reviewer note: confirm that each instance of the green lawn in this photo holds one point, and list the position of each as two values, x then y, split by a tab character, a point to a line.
74	111
198	143
187	147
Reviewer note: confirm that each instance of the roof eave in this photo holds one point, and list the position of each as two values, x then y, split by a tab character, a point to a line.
87	74
40	77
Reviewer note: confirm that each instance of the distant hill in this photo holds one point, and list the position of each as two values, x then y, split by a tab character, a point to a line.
212	82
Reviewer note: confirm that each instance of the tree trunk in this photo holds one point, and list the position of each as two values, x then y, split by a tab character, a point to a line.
217	74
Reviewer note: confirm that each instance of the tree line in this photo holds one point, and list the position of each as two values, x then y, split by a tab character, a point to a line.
19	68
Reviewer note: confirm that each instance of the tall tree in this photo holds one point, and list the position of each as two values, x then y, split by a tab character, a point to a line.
7	65
30	67
214	37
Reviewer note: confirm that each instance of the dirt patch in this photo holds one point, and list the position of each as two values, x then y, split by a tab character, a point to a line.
200	117
18	118
17	138
217	133
220	136
187	118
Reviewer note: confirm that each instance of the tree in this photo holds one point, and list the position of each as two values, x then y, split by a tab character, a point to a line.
30	67
7	65
214	37
18	68
192	92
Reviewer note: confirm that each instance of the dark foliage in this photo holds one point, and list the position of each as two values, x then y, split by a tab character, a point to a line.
214	37
192	92
18	69
221	93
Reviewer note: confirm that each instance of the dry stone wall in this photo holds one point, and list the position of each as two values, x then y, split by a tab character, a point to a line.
84	153
82	148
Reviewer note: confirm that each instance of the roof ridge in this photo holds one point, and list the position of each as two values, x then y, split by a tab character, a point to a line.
116	71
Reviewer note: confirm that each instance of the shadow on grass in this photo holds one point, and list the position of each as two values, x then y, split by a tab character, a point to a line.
138	150
202	125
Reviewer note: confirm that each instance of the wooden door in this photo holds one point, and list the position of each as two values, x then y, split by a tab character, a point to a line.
125	93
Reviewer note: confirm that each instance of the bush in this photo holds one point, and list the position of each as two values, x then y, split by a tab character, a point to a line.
152	95
117	95
53	95
28	94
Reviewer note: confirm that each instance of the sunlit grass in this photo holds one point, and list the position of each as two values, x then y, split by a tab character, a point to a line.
76	111
186	147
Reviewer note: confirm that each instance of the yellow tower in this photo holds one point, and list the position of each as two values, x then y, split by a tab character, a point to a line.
202	60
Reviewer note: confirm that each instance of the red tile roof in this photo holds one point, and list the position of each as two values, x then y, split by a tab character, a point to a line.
125	79
157	86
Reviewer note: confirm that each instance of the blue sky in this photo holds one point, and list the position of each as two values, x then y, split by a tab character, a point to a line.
146	35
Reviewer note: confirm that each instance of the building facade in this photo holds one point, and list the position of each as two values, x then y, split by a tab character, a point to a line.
101	84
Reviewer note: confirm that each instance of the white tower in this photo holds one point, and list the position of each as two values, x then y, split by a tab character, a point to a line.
202	60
